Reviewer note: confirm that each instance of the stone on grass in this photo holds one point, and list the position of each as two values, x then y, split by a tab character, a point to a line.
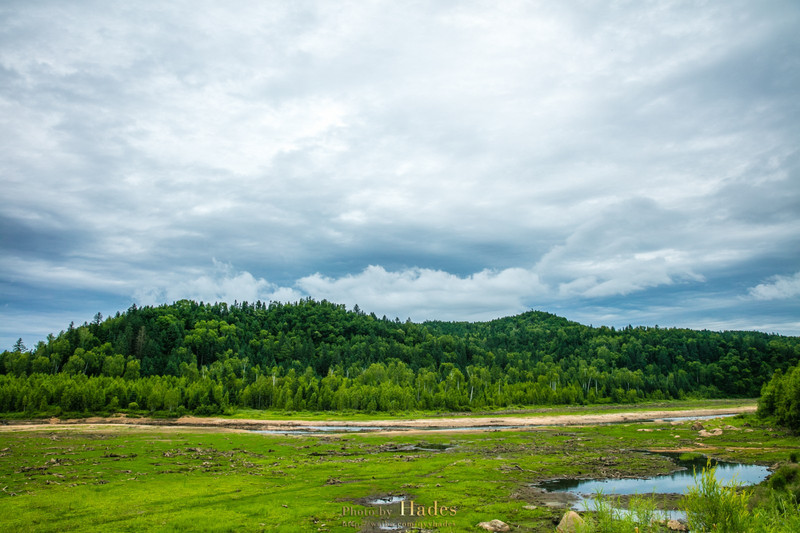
495	525
674	525
570	522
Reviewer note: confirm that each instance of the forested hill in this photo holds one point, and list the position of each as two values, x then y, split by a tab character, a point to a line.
309	346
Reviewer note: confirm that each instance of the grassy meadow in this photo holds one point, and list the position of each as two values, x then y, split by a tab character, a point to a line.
120	478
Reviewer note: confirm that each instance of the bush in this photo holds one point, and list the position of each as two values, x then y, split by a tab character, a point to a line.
712	506
641	515
205	410
785	476
780	515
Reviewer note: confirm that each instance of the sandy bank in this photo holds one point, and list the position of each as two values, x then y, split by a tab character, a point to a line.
450	424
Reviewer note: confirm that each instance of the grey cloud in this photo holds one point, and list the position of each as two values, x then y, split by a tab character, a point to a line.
602	150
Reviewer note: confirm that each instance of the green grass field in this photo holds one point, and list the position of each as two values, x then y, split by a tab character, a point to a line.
176	479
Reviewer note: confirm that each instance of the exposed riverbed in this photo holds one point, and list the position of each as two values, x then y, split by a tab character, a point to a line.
461	423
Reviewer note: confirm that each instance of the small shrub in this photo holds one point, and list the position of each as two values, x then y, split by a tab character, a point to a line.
783	477
640	516
205	410
777	481
712	506
780	515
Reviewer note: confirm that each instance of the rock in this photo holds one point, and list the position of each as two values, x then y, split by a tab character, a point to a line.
555	504
530	507
570	523
731	428
713	433
495	525
674	525
697	426
645	430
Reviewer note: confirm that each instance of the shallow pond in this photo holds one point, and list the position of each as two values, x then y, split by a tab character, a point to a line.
677	482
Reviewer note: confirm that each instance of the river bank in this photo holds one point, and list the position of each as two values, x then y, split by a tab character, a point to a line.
467	423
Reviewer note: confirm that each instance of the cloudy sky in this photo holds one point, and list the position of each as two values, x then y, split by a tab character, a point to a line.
611	162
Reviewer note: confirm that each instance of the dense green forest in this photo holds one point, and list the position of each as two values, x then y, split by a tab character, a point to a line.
780	398
205	358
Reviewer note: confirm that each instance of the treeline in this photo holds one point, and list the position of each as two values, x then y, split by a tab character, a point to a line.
780	398
319	355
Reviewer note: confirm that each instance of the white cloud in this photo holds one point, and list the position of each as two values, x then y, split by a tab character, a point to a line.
221	284
777	288
423	294
216	128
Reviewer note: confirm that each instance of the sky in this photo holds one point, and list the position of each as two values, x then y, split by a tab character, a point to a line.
614	163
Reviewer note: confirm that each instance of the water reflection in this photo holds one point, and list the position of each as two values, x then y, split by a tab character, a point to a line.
678	482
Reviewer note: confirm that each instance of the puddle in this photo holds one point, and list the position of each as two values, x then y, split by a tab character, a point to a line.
704	417
677	482
387	500
321	430
382	513
432	447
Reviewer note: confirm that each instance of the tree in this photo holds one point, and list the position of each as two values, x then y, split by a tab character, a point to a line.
114	365
19	346
75	364
132	370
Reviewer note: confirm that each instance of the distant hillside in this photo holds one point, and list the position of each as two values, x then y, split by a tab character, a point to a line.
319	355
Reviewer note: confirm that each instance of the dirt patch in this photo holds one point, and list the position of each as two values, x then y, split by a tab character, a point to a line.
541	498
